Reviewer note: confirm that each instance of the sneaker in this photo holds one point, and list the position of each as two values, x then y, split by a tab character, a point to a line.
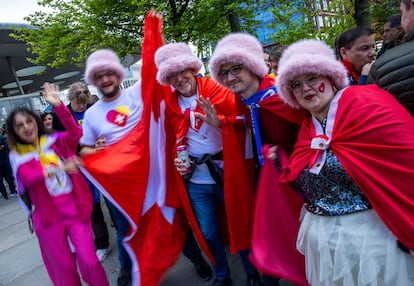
13	194
204	271
5	197
253	280
226	282
103	253
124	278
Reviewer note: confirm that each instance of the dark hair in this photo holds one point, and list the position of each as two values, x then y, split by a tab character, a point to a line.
277	52
407	4
347	39
394	20
12	137
56	123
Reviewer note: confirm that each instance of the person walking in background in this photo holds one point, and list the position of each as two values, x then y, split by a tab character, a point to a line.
353	166
79	96
355	48
5	168
45	169
393	33
393	71
237	64
206	121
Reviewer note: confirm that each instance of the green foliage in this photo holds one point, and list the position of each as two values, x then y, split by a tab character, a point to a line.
76	27
380	10
295	20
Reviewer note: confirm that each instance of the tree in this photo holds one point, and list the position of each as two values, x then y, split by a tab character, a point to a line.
79	26
362	13
295	20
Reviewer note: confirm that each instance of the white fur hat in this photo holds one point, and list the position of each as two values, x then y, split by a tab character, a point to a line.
238	48
102	60
173	58
308	57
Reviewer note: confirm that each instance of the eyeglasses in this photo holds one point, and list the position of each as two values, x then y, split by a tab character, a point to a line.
174	76
108	74
297	86
79	92
234	70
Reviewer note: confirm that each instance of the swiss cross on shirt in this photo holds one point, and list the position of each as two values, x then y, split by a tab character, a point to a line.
118	116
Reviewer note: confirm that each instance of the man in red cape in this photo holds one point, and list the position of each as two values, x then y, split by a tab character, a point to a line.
131	171
376	148
237	63
178	66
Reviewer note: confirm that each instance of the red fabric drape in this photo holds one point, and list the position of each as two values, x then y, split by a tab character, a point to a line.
373	138
126	172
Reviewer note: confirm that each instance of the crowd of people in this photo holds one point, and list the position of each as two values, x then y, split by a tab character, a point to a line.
301	164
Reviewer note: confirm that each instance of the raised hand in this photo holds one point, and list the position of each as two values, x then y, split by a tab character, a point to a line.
51	93
210	117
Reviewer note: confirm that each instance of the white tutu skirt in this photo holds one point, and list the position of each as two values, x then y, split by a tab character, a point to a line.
352	250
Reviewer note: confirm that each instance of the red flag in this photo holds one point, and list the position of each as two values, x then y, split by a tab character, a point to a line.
132	174
276	224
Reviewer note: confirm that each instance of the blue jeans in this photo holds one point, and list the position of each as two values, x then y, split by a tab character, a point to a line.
122	227
204	199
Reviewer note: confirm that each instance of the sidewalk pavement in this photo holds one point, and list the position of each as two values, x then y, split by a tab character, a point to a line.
21	263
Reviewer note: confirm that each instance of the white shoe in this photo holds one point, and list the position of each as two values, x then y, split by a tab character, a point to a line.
13	194
103	253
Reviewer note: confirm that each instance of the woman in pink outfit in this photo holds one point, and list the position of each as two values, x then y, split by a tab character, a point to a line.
45	170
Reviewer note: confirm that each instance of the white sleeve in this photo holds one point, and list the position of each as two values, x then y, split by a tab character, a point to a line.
89	136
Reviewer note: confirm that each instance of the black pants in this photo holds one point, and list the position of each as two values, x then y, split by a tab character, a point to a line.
100	230
6	173
191	249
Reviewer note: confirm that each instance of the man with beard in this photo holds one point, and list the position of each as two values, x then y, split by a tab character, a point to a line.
121	110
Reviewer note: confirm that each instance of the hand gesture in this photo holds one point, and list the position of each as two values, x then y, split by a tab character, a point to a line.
51	93
210	116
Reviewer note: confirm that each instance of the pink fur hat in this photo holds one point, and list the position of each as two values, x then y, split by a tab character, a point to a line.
102	60
238	48
175	57
308	57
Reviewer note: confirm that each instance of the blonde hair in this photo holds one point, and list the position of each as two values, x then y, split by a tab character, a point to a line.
76	91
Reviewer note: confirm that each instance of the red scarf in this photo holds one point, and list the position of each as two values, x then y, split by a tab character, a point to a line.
351	70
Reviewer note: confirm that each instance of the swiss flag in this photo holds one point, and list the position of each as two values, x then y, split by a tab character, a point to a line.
132	174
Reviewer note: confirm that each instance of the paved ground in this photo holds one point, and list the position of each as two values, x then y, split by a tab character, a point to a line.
21	263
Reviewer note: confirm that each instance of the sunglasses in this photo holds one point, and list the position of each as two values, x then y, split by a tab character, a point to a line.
79	92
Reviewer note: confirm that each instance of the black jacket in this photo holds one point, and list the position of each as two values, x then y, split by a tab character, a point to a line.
394	72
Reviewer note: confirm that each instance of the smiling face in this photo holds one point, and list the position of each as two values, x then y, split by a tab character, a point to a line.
25	127
314	93
47	123
239	79
108	83
184	82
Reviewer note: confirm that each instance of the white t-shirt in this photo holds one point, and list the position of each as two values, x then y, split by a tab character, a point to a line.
113	120
207	140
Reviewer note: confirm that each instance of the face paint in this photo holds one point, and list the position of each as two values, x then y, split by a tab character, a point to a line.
321	87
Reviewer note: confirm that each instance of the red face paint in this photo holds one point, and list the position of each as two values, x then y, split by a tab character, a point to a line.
321	87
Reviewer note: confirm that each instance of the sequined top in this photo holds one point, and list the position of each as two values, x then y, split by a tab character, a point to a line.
332	192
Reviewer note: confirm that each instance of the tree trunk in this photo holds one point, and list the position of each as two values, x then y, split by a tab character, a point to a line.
234	22
362	15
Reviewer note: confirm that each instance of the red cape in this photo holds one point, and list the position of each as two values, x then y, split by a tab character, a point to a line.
373	138
238	170
131	171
